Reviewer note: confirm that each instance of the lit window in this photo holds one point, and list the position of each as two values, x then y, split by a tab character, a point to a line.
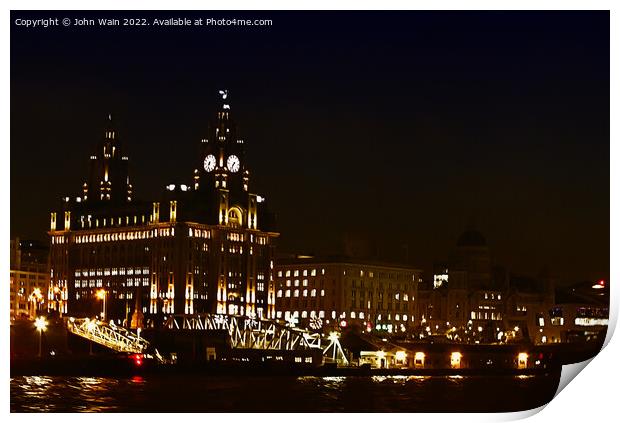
279	273
287	293
322	292
304	314
305	272
288	273
313	293
305	282
296	293
288	282
279	293
352	315
305	293
313	272
296	273
296	282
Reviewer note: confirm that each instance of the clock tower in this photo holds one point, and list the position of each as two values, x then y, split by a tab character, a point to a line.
222	174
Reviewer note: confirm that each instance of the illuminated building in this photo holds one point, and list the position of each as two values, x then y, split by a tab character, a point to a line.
204	246
317	292
29	278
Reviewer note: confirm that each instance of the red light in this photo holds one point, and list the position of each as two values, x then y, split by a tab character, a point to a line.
601	282
137	359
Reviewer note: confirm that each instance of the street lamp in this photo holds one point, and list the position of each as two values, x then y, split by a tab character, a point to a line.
41	324
102	294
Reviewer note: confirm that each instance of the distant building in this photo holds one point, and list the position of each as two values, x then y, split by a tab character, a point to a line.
29	278
581	312
528	303
338	291
463	291
205	246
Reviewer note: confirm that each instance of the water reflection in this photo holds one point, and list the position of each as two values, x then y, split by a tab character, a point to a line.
202	393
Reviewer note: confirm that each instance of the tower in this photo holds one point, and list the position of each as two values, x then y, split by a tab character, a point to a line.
108	177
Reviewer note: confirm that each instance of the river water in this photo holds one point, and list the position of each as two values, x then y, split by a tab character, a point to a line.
201	393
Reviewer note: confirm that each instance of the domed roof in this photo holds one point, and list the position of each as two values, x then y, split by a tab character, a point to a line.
471	238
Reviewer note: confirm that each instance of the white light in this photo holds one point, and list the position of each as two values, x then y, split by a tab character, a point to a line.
183	187
171	187
40	323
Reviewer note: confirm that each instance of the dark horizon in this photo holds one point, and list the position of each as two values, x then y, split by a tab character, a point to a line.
400	128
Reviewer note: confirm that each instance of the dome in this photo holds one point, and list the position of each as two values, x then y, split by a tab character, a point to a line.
471	238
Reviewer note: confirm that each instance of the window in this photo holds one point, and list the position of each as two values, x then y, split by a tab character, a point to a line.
313	293
296	294
287	293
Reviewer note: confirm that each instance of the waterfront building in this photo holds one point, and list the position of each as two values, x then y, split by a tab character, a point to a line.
580	313
29	278
314	292
206	245
528	304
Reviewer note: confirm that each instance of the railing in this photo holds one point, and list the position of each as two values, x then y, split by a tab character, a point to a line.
246	332
110	336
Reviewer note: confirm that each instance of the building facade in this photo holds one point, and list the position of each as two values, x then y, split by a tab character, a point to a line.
317	292
29	279
203	246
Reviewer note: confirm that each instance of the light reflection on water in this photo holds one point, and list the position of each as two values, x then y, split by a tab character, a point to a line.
201	393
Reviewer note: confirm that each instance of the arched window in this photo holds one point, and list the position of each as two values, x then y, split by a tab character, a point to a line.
235	217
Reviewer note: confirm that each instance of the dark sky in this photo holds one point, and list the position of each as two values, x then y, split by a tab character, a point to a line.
402	128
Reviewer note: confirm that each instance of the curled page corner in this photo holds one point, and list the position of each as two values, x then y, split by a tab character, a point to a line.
569	372
516	415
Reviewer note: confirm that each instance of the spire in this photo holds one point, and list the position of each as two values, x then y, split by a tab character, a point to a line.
110	131
224	95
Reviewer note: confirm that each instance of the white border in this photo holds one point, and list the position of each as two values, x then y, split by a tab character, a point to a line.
592	396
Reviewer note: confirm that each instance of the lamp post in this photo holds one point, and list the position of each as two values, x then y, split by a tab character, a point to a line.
101	294
41	324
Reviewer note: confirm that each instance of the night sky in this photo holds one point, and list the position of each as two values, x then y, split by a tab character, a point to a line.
400	128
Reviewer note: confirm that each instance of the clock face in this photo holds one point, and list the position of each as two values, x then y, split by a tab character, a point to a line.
232	163
209	163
